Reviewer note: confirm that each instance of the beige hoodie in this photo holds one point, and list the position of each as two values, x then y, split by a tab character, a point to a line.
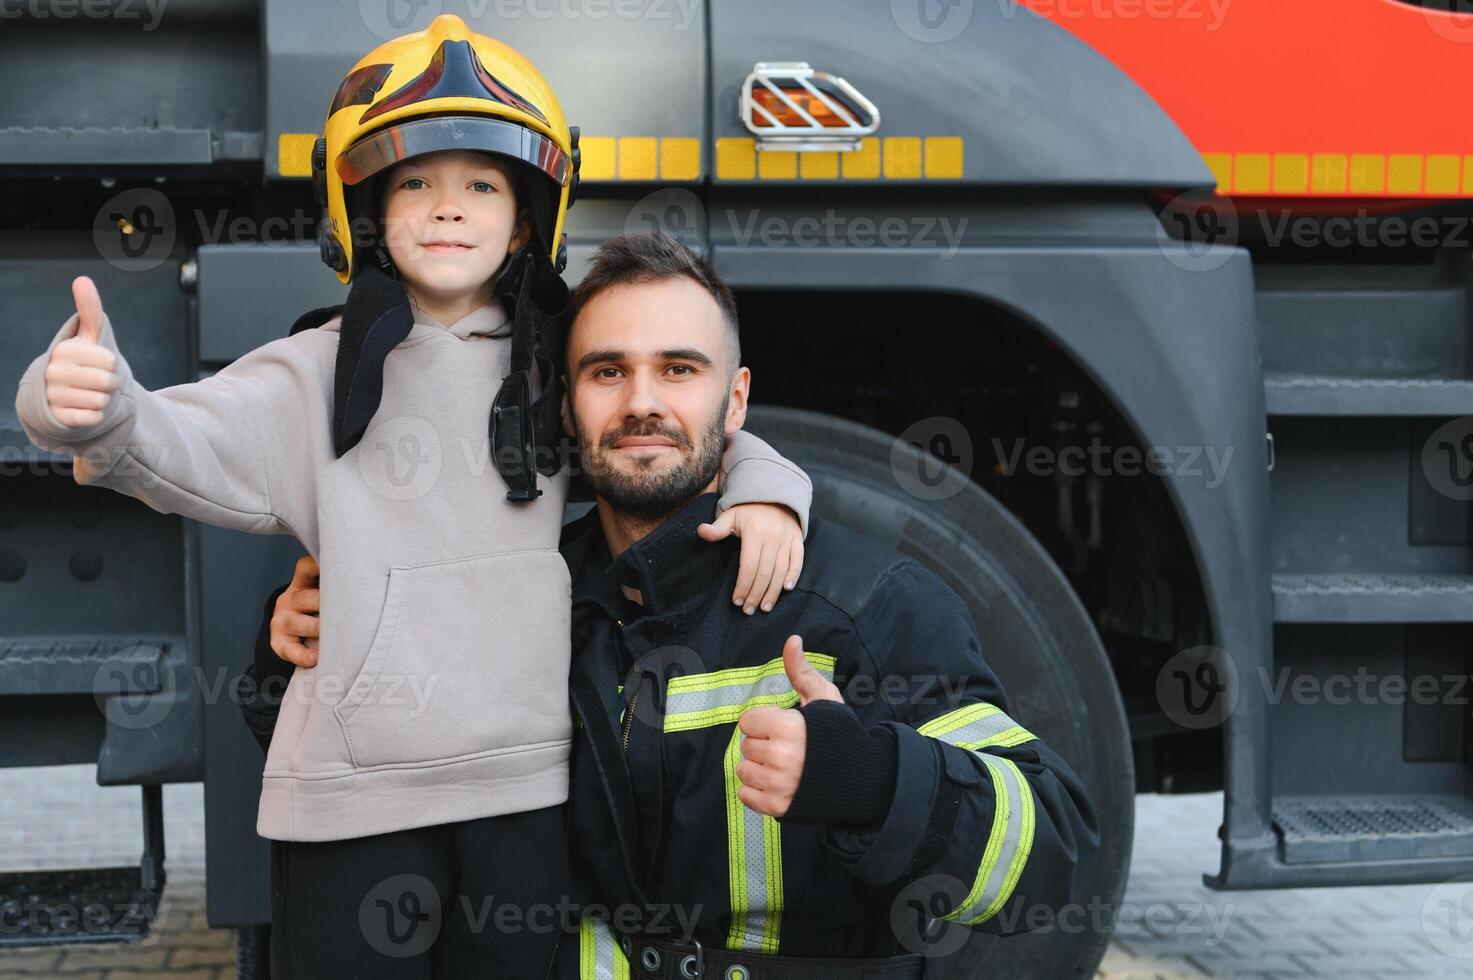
440	692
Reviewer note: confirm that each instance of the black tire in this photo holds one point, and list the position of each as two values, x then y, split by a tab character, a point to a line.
253	953
1035	635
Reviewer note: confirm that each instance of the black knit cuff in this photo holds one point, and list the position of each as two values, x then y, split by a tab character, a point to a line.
848	771
268	664
260	691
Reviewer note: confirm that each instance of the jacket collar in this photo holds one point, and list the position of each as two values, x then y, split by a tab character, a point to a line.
671	566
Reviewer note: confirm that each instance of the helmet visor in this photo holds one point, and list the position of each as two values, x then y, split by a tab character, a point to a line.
385	147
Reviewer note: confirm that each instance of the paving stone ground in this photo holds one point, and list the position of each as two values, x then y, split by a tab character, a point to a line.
1173	926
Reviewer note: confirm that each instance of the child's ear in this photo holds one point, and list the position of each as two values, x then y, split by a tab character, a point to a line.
523	233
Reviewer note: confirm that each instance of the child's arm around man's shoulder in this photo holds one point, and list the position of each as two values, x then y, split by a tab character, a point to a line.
234	450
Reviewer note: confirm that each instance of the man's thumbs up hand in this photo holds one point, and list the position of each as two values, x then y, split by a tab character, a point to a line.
809	683
776	741
82	374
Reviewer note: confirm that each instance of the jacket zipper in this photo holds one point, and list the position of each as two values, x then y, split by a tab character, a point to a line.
633	702
629	719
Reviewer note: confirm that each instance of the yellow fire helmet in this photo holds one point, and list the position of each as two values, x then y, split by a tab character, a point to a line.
443	88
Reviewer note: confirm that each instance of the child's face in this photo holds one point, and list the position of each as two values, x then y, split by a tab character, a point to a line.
450	219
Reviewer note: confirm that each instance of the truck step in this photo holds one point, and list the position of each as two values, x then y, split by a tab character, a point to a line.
1373	598
82	665
86	905
1321	829
1323	395
103	145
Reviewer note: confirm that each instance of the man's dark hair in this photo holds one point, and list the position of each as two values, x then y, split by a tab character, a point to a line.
656	257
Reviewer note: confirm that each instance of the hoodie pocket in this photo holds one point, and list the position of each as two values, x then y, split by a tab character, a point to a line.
470	657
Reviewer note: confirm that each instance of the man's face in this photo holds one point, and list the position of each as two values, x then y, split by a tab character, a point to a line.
652	393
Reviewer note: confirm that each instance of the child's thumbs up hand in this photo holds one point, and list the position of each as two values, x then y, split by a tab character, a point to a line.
82	374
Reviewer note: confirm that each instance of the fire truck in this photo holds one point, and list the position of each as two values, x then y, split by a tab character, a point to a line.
1145	323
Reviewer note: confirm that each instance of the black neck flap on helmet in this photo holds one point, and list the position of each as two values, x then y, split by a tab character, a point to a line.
526	436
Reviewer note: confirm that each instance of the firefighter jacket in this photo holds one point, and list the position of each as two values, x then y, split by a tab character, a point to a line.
935	801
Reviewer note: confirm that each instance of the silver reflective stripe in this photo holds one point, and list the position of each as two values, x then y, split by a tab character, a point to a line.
729	695
719	698
1010	839
755	870
975	726
599	955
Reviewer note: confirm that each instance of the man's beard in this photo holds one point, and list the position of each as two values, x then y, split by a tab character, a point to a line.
647	494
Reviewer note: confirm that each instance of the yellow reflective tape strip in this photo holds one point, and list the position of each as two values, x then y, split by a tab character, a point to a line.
863	163
718	698
902	157
945	157
1022	795
996	837
1404	173
736	158
736	852
294	154
975	726
742	675
772	846
819	166
754	865
953	720
680	158
1221	165
639	158
777	164
1291	173
1367	173
1009	843
597	155
892	158
1442	173
599	954
1363	174
1250	173
1329	173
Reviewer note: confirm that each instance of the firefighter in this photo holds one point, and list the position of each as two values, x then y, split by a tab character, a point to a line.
816	793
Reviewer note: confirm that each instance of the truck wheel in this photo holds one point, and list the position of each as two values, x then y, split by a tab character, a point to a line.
253	953
1034	633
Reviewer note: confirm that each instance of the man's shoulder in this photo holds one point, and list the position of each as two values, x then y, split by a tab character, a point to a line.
847	569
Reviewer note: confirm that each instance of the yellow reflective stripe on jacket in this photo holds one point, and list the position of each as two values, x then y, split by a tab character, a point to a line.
754	859
753	841
720	697
599	955
979	725
975	727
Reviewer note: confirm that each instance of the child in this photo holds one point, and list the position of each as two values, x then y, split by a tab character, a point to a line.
431	739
